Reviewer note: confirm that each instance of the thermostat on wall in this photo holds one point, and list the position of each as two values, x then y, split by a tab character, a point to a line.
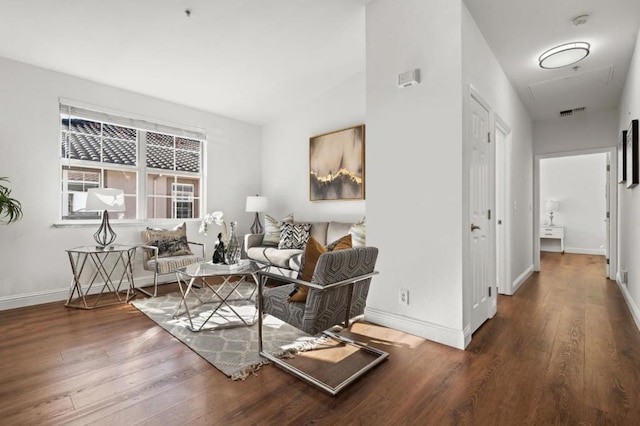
409	78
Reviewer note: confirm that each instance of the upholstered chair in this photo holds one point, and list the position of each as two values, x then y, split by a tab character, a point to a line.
165	250
340	281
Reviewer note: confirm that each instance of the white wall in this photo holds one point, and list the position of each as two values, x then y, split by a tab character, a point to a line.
414	166
482	70
586	131
285	153
629	199
416	142
34	264
578	184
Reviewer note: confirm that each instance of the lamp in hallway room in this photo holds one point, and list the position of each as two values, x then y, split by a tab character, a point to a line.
105	200
551	206
256	205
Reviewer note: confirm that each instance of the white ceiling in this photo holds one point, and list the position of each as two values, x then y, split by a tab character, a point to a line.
254	59
246	59
519	31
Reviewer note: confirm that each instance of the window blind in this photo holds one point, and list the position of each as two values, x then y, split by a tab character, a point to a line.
137	123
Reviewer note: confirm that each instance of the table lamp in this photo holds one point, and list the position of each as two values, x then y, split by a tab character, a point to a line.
256	204
105	200
551	206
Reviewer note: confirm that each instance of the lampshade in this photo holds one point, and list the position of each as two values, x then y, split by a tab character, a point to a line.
564	55
256	204
79	201
551	206
109	199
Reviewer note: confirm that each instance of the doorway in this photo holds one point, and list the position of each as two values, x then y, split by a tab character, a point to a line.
575	205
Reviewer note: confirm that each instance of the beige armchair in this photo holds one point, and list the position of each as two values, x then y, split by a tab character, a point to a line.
165	250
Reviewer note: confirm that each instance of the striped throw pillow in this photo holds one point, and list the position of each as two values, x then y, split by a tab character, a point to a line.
294	235
272	228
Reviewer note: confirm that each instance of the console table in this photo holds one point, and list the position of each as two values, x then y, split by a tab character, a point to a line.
556	232
112	264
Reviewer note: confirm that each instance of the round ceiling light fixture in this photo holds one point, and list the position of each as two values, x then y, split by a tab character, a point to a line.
564	55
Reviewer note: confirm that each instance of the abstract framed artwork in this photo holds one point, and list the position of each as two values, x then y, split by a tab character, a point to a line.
336	165
633	174
622	157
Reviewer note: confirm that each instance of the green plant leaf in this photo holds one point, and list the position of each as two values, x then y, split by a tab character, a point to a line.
10	208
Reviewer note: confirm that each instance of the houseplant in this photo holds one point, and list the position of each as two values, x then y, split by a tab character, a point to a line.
10	208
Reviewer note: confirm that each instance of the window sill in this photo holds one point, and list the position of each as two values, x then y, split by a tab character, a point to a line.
120	223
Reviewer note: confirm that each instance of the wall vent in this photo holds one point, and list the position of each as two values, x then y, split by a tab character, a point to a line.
574	111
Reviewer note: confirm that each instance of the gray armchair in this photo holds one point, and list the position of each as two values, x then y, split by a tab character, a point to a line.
326	303
337	293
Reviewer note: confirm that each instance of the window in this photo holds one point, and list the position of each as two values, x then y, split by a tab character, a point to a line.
158	167
182	200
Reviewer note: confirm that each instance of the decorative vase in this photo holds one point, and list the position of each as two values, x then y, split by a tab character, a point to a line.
234	248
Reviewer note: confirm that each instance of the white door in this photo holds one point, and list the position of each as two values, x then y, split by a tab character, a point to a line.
501	242
481	171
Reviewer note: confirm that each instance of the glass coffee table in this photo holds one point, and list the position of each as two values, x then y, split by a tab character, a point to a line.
218	296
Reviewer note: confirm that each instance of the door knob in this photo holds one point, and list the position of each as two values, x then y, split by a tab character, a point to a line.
474	227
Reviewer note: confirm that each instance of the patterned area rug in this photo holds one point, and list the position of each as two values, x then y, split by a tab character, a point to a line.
233	351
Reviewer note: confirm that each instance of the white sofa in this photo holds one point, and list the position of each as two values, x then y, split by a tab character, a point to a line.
324	232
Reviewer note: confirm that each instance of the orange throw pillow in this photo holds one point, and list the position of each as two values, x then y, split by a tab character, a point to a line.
312	253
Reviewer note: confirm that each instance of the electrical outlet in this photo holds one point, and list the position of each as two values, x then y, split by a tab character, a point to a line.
403	297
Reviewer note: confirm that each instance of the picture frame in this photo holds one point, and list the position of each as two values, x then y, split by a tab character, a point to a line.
336	165
622	157
633	172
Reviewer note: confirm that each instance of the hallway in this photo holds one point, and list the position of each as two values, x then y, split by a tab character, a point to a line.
570	348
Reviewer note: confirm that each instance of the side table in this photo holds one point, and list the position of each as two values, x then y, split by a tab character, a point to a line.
553	232
113	264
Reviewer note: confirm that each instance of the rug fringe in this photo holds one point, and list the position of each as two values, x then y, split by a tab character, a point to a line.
248	370
291	352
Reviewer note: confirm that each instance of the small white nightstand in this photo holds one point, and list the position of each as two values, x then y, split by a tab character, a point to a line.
553	232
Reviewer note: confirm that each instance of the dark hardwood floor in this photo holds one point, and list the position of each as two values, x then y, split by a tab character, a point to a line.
563	350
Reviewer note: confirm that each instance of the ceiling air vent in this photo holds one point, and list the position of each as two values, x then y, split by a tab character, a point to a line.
570	112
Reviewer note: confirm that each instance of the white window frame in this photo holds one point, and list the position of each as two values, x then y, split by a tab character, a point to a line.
142	125
181	193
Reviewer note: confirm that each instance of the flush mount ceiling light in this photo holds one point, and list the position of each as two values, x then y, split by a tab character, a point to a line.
563	55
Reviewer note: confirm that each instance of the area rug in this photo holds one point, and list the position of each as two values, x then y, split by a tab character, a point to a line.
233	351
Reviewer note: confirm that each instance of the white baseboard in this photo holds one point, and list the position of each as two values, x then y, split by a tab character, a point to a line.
633	308
524	276
577	250
552	249
60	294
447	336
33	298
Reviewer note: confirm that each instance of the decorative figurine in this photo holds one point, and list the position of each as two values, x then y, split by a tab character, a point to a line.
218	251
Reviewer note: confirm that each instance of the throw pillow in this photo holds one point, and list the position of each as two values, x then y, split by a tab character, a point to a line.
294	235
341	244
310	258
359	233
170	242
272	229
